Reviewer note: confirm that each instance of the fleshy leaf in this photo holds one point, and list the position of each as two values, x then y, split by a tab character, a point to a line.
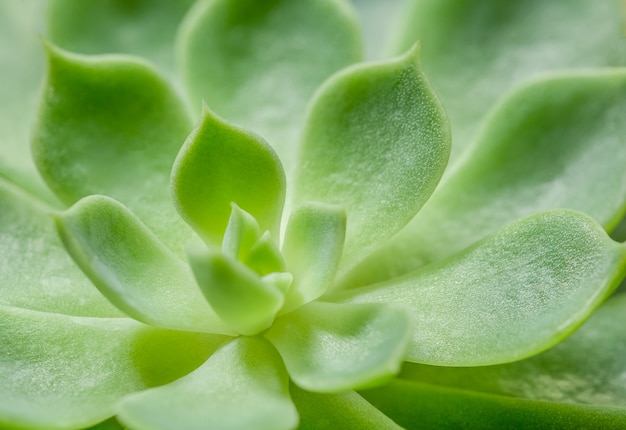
242	386
242	232
376	143
257	63
110	125
333	347
264	256
586	368
62	372
476	51
557	142
312	249
422	407
347	410
35	271
512	295
135	271
236	293
220	164
21	72
139	27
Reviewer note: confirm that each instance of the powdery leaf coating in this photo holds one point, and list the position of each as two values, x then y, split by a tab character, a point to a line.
242	386
476	51
331	347
512	295
111	125
550	144
54	381
132	269
376	143
257	63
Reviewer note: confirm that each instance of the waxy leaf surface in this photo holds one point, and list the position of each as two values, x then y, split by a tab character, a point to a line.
336	347
138	27
376	143
475	51
312	249
257	63
135	271
221	164
238	295
63	372
512	295
110	125
586	368
557	142
35	270
242	386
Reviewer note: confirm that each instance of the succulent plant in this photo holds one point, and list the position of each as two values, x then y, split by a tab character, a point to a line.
216	215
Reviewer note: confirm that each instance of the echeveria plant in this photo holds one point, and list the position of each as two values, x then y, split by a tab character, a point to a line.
251	228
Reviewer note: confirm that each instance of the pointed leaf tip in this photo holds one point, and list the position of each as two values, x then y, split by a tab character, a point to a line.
376	142
219	164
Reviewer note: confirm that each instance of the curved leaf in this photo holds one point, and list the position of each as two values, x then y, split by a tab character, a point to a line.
244	300
586	368
557	142
242	386
221	164
21	72
257	63
139	27
345	410
135	271
61	372
312	249
376	143
35	270
475	51
421	407
333	347
512	295
111	125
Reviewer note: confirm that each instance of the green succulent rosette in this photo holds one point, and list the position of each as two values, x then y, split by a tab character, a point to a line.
226	220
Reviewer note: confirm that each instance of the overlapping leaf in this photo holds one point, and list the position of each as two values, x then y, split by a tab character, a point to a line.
112	126
512	295
376	143
257	63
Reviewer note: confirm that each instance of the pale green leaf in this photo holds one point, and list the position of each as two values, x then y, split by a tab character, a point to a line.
376	142
21	72
586	368
329	347
242	386
377	19
329	411
62	372
139	27
312	249
242	232
557	142
418	406
110	125
257	63
514	294
133	269
238	295
221	164
35	270
475	51
264	256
